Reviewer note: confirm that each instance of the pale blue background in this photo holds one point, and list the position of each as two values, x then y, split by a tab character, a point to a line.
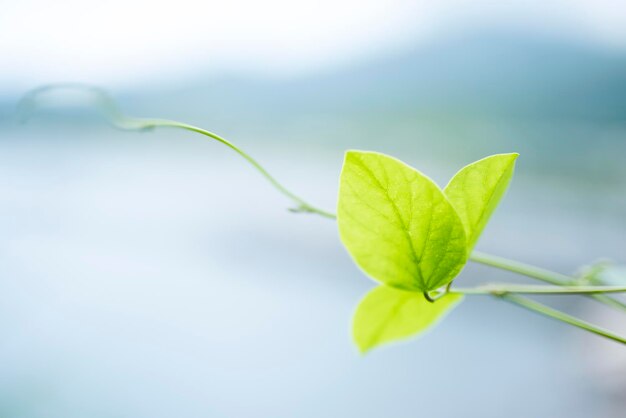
157	275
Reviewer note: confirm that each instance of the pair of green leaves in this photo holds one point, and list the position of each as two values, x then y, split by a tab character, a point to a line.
405	232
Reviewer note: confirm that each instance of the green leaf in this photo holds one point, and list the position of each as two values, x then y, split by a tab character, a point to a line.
397	224
386	314
476	190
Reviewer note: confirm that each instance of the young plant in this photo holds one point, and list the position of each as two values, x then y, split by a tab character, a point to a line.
412	237
407	234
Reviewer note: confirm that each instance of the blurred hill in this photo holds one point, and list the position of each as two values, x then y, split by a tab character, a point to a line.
561	103
483	75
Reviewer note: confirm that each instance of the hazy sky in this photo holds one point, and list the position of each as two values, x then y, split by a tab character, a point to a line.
124	42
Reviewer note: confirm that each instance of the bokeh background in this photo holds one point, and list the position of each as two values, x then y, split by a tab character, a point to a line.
157	275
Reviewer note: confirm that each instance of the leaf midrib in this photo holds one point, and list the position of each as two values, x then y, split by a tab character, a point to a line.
406	232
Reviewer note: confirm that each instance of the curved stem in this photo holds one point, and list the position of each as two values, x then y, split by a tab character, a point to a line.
561	316
108	106
303	206
429	298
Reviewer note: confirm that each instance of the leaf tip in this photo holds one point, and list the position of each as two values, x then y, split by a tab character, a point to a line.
352	153
363	345
511	159
512	156
363	349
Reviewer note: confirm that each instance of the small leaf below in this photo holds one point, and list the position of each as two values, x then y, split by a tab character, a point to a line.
386	314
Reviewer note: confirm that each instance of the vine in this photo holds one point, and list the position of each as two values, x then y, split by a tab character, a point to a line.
406	233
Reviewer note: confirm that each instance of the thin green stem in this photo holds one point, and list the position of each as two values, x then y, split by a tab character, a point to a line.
561	316
498	289
521	268
538	273
108	106
609	301
303	206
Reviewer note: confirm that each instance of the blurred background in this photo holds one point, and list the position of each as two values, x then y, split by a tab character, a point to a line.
155	274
